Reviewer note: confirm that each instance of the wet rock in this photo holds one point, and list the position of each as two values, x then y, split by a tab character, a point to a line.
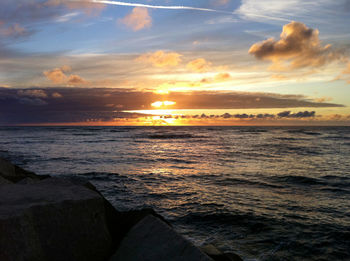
52	219
153	239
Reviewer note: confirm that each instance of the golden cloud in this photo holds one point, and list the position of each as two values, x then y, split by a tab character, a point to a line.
347	70
56	95
75	80
58	76
199	65
299	46
346	73
138	19
220	77
161	58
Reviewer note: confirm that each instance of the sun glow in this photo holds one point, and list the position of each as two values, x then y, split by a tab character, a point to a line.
162	103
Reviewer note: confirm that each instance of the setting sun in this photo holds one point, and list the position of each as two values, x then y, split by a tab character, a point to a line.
162	103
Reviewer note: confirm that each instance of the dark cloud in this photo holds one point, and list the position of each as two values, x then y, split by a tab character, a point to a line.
301	114
80	104
283	114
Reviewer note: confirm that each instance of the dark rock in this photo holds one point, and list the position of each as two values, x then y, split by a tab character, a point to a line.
52	219
14	173
152	239
126	220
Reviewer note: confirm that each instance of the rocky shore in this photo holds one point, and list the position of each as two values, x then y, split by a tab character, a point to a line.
50	218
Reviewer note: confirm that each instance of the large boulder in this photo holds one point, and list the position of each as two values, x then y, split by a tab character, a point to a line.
152	239
52	219
14	173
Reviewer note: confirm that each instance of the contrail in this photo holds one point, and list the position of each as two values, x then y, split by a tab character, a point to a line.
159	6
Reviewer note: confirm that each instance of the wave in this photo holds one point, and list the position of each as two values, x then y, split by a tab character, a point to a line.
298	180
171	136
236	181
306	132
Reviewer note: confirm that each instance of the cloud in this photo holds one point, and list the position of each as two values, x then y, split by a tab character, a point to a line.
13	30
58	76
138	19
161	58
323	99
32	102
75	80
298	46
56	95
277	10
87	6
220	77
199	65
33	93
347	70
67	17
345	74
18	18
301	114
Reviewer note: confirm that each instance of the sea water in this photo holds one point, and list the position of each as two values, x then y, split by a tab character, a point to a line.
265	193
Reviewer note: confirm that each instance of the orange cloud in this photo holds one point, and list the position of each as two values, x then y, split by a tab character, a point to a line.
220	77
161	58
56	95
345	73
298	46
75	80
347	70
199	65
58	76
138	19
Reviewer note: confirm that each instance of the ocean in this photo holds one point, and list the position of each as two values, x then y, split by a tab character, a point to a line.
265	193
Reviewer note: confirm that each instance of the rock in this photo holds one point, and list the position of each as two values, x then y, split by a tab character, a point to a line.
6	168
211	250
4	181
28	181
217	255
14	173
52	219
152	239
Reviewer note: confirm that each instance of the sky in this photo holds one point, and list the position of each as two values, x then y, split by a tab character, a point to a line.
171	62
